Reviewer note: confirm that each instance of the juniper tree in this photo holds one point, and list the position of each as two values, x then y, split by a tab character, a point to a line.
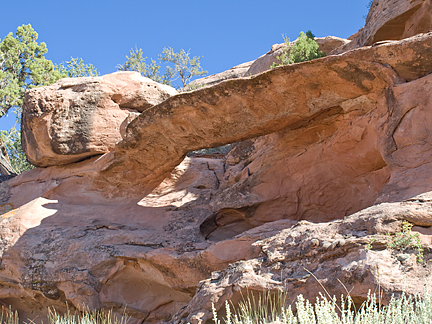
177	66
24	66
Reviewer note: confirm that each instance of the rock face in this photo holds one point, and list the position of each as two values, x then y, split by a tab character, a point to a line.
301	258
235	72
326	44
81	117
330	155
392	20
239	109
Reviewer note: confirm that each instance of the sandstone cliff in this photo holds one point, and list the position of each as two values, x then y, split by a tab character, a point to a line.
328	156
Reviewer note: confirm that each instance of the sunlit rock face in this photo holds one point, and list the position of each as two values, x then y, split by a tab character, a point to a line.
326	156
264	63
76	118
390	20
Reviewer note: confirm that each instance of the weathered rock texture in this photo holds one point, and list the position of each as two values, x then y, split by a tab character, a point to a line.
80	117
142	225
392	20
307	256
326	44
285	98
235	72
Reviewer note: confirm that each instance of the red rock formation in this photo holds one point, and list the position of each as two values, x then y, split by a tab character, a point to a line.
392	20
304	258
326	44
80	117
142	225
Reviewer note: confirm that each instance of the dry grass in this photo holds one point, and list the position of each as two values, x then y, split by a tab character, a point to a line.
403	310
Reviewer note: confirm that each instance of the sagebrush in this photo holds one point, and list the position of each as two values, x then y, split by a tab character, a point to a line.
402	310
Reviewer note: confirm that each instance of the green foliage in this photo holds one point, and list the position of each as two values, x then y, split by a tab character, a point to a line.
24	66
405	239
402	310
12	144
183	66
369	246
76	68
304	49
86	317
137	62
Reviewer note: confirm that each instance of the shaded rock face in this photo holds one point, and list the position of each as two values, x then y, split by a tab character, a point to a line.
307	256
64	243
317	143
392	20
81	117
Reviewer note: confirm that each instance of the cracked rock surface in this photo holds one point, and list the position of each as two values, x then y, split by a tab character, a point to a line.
327	157
75	118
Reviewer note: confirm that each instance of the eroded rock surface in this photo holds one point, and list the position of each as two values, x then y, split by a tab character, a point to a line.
142	225
392	20
308	256
326	44
284	98
77	118
235	72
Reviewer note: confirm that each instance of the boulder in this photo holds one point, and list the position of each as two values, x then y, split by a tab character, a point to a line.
76	118
392	20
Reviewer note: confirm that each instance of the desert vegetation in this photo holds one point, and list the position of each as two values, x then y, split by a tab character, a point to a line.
87	316
177	66
269	308
305	48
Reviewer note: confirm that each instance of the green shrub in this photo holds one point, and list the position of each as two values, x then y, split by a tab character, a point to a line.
23	66
182	67
405	239
304	49
12	144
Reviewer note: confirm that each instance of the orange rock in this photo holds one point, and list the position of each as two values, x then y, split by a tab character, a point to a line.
392	20
142	225
264	63
81	117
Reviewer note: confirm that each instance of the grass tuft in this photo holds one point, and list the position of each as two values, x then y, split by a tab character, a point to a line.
402	310
85	317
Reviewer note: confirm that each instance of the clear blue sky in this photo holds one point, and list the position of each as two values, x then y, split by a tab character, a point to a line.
225	33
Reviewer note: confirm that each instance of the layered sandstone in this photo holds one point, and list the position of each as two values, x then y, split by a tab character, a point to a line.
390	20
305	257
316	144
77	118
